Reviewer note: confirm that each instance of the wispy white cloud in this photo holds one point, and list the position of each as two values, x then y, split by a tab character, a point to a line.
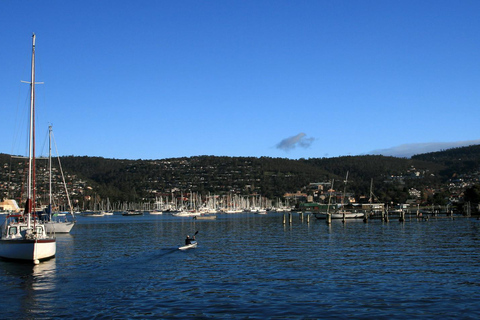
410	149
299	140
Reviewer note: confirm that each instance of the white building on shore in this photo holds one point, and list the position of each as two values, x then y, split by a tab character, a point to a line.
9	205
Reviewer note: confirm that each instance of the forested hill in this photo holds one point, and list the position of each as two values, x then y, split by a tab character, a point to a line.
362	169
469	153
463	160
272	177
132	180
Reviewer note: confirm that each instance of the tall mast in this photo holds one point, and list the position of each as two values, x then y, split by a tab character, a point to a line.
31	141
330	196
371	193
344	190
50	170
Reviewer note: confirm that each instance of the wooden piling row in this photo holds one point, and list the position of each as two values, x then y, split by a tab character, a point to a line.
384	217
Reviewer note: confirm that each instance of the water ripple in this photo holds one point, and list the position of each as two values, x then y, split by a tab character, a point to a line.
251	266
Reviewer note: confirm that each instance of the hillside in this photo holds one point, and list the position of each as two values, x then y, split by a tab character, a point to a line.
271	177
456	161
142	180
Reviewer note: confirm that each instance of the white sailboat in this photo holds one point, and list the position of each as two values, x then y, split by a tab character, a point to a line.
342	213
158	207
94	214
53	223
185	213
23	237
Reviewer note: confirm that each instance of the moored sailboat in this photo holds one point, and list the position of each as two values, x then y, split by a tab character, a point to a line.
339	215
58	223
184	213
342	213
53	223
23	237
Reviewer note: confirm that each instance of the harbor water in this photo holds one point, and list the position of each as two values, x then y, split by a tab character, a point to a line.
250	266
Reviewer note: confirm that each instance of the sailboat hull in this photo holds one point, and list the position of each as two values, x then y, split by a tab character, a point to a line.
28	250
58	227
346	215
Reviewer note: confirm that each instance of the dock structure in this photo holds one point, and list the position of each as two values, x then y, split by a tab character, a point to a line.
385	216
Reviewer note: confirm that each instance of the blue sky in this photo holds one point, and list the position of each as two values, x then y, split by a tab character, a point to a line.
295	79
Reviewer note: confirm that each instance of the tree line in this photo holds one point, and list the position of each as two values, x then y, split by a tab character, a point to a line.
139	180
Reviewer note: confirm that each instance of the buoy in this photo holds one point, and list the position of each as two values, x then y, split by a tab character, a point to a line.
36	261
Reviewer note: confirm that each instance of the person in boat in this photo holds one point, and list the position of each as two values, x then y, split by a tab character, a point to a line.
188	240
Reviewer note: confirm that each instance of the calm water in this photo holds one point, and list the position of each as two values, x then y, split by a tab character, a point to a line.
251	266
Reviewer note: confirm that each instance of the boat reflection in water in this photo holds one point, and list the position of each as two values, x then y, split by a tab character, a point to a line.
30	287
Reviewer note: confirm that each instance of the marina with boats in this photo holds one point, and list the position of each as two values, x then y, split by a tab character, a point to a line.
240	160
131	259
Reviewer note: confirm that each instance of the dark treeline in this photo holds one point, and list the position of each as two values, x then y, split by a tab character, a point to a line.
456	161
140	180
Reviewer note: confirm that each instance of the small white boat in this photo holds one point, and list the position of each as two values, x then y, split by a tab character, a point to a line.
340	215
132	213
97	214
93	214
205	217
57	226
192	245
233	211
186	214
